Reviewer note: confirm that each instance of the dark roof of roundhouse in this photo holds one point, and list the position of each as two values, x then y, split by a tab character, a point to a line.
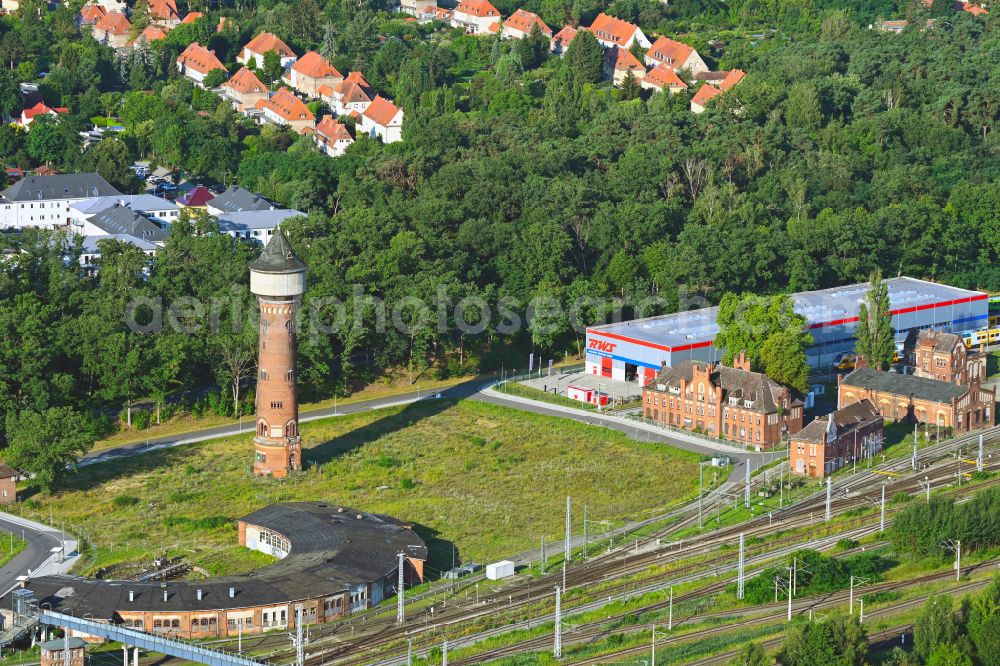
332	548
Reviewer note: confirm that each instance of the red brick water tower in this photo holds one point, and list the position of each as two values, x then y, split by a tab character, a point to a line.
278	280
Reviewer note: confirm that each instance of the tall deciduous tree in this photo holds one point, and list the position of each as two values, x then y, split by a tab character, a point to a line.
935	625
10	94
984	623
836	640
44	443
271	67
111	159
771	333
876	339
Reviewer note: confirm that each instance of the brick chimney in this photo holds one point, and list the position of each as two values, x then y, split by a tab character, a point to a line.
741	362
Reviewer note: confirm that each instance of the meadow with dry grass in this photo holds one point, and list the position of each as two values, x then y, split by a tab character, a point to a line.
487	479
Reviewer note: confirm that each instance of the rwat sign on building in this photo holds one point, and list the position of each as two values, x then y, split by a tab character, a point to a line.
635	350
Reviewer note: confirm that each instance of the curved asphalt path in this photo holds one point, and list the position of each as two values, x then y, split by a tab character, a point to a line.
477	389
40	539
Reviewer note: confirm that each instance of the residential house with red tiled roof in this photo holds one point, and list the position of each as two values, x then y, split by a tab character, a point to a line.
90	14
663	77
351	94
192	17
478	17
29	114
618	62
332	137
706	93
382	119
284	108
149	34
423	10
974	9
197	197
520	24
164	13
261	44
611	31
443	15
562	39
310	72
112	29
676	55
243	90
733	77
196	62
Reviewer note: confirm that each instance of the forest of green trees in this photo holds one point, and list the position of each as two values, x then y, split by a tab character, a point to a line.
521	176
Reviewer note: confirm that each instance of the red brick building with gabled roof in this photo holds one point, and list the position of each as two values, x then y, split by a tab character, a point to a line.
520	24
310	72
734	403
611	31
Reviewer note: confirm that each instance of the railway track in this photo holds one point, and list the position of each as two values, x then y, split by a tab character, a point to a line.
635	558
809	604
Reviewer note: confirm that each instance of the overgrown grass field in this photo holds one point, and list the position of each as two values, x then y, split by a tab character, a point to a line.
490	480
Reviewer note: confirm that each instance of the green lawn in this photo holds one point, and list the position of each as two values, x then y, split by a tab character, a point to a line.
10	546
488	479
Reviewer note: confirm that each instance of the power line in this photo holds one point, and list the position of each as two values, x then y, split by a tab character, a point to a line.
740	570
557	646
828	490
569	528
399	593
746	491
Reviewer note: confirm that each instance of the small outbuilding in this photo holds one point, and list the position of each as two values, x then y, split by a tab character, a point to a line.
498	570
53	652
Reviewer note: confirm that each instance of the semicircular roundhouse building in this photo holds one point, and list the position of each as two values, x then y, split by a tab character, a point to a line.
334	561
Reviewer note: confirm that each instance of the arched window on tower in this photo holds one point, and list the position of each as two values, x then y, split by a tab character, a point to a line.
262	428
290	326
291	429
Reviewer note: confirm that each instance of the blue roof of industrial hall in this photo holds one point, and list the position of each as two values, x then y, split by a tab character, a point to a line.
822	306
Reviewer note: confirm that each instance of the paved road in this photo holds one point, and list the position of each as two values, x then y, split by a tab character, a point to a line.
463	390
40	542
471	389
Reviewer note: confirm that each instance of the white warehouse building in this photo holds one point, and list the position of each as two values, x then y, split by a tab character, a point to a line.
635	350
